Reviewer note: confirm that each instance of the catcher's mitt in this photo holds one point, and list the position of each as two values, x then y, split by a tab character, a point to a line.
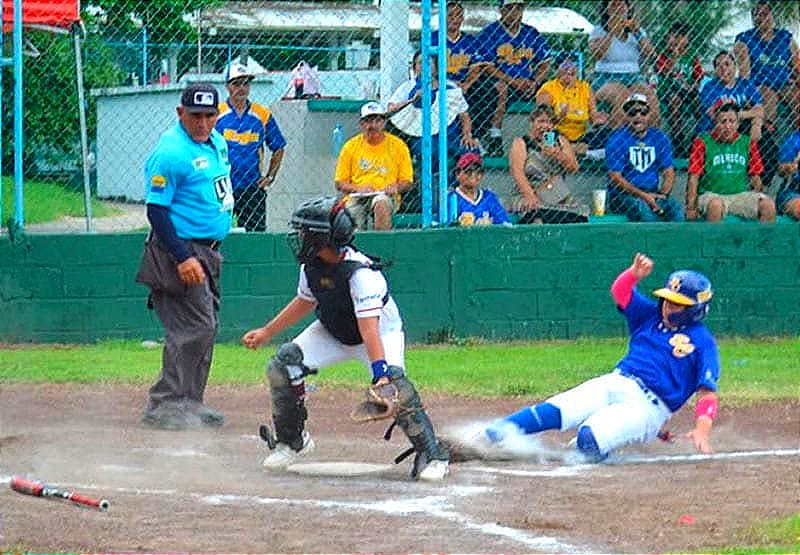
382	402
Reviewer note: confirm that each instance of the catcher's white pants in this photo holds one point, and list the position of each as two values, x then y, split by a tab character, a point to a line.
321	349
616	408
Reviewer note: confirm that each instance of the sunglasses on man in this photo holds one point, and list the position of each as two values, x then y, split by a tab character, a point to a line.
637	112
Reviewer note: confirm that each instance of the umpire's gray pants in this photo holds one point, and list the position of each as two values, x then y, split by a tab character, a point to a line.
190	325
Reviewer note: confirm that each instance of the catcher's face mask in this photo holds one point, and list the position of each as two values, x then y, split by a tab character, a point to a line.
305	245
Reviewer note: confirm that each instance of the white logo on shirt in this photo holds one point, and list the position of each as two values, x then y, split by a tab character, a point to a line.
641	156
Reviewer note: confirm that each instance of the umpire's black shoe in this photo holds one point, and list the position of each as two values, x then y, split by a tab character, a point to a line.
207	415
168	416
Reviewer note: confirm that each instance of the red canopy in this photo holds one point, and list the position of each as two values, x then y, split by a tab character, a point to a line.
55	13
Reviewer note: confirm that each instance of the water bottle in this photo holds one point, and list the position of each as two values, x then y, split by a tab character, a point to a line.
338	139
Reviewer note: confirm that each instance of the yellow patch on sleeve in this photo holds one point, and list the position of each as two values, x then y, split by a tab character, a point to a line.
158	181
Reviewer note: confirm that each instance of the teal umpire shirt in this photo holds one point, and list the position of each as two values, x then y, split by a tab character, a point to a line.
193	181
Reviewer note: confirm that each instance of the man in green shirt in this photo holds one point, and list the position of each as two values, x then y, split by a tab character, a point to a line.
725	170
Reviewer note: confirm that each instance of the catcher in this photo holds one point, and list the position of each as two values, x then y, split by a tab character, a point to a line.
356	319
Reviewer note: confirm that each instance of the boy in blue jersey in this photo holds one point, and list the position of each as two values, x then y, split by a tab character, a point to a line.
671	356
521	59
640	169
249	128
474	204
189	203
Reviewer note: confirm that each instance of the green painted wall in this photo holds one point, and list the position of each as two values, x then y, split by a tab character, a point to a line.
523	282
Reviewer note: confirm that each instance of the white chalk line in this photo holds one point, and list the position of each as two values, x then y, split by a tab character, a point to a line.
573	470
435	506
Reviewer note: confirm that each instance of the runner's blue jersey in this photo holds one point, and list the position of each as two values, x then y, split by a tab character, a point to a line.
672	363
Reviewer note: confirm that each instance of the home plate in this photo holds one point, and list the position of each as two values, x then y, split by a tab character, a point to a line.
337	468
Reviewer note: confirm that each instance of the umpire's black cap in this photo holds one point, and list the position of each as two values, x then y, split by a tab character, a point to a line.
200	98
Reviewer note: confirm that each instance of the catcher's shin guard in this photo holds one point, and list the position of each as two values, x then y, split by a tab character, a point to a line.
415	423
285	373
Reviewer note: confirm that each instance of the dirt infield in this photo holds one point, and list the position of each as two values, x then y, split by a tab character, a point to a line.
204	490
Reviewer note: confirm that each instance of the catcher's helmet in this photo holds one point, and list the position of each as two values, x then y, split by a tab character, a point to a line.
690	289
318	223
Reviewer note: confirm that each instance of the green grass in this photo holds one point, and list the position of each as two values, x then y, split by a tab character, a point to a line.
48	201
777	535
752	370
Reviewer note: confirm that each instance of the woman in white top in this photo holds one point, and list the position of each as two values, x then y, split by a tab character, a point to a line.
620	45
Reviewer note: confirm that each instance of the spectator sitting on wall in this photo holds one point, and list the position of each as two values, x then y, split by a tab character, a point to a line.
538	162
474	204
620	46
574	104
521	61
725	173
726	87
769	57
249	129
679	76
788	198
373	168
640	170
405	107
464	65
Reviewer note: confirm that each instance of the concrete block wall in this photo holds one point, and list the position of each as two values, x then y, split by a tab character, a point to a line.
527	282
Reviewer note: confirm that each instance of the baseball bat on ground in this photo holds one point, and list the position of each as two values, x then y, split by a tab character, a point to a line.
39	489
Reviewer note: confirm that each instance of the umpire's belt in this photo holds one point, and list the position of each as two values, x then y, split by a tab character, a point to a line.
651	396
212	244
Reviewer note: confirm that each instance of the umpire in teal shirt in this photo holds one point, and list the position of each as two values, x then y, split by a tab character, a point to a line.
189	203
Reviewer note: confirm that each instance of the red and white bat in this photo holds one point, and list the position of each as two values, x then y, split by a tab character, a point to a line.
39	489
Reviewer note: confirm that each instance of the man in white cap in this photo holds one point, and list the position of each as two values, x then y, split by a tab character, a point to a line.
373	169
249	128
640	168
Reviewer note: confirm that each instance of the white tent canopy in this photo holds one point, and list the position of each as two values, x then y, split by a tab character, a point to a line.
342	16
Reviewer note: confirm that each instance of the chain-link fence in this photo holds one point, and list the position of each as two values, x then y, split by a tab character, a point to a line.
537	90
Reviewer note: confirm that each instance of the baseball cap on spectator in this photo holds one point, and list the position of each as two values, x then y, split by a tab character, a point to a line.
372	109
237	71
469	159
200	98
502	3
635	98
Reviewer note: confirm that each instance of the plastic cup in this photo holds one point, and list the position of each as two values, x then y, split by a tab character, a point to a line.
599	202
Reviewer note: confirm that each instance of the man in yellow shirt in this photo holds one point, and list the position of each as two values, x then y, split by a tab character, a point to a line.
573	102
374	167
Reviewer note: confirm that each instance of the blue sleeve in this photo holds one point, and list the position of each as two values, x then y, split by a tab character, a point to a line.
615	155
165	232
665	152
790	148
754	94
485	46
638	311
708	373
707	95
499	214
541	50
274	139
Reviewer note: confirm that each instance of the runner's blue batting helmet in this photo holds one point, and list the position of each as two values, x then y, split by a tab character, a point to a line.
690	289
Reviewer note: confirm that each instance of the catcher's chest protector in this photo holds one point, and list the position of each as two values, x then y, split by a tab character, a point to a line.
331	288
